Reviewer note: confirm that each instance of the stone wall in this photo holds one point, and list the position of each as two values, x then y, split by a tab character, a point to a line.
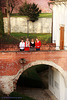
20	24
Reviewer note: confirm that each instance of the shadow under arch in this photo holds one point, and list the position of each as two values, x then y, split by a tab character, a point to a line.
50	63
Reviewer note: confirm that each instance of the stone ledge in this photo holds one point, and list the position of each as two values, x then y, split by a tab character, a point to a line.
15	47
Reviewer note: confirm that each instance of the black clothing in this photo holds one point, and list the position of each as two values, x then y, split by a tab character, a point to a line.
21	49
32	44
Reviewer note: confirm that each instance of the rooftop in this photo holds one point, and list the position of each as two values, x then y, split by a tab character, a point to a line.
54	1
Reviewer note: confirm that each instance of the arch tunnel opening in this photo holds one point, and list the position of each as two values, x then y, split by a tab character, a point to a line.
33	77
40	76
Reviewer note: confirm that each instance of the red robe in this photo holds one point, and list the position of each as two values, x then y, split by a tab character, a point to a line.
27	48
38	44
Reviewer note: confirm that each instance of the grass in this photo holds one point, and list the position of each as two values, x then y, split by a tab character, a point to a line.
42	15
45	15
43	37
15	38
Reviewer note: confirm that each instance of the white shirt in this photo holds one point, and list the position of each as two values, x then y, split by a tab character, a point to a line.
22	45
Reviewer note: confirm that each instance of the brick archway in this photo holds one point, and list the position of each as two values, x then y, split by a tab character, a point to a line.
62	75
50	63
12	80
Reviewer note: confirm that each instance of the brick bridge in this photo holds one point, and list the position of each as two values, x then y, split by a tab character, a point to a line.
11	65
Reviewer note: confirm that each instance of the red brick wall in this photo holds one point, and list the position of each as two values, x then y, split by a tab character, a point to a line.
15	47
10	64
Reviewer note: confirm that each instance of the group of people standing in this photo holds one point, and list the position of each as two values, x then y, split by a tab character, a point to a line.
30	45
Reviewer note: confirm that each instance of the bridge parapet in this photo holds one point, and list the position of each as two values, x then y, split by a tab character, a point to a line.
15	47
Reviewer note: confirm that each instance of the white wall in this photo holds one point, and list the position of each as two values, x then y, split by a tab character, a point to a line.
57	84
62	88
19	24
59	19
54	80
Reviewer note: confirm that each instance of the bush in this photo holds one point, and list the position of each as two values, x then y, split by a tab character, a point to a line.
30	10
1	24
43	37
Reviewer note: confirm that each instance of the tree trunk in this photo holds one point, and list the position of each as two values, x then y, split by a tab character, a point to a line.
27	28
11	10
8	17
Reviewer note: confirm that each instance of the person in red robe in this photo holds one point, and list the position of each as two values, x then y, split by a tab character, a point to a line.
27	45
37	44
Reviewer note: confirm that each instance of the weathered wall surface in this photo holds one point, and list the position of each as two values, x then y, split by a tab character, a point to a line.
57	84
11	68
19	24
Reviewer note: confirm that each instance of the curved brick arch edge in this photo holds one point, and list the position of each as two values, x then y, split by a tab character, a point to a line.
50	63
8	83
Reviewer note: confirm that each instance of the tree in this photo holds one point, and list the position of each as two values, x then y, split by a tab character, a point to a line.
8	15
1	24
10	5
13	4
1	21
30	10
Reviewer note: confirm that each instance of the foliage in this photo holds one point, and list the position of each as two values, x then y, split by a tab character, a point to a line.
30	10
43	37
7	39
11	3
16	95
45	15
0	4
52	0
41	15
1	24
15	38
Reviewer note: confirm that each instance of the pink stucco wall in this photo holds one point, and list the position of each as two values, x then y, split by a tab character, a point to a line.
42	4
